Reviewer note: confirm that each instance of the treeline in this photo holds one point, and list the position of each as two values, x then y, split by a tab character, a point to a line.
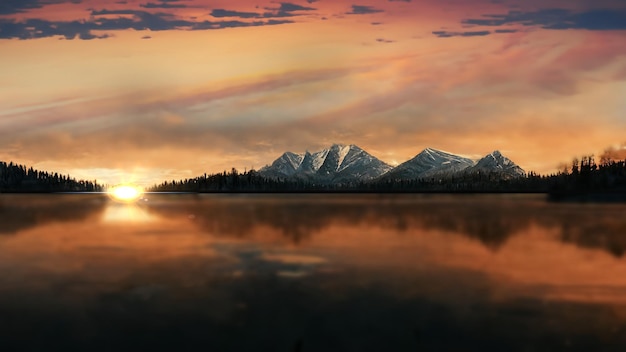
584	176
20	179
252	181
479	182
587	177
234	181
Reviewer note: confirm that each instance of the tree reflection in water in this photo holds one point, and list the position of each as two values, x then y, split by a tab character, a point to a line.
491	219
23	211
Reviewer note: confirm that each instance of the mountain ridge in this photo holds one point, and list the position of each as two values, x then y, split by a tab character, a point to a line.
337	164
342	163
496	162
429	162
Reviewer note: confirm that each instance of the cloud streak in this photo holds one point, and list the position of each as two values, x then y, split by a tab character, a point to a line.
446	34
163	5
285	9
8	7
152	15
363	10
557	19
219	13
141	20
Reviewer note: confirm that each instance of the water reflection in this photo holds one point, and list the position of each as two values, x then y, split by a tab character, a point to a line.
492	220
19	212
126	213
311	273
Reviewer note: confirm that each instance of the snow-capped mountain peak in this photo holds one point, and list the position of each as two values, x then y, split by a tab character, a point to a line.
286	165
338	163
343	151
313	161
342	163
430	162
495	162
293	159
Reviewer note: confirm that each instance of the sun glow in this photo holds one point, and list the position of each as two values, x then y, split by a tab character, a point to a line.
125	193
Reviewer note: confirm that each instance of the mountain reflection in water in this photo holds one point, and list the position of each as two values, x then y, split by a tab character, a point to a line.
311	273
491	219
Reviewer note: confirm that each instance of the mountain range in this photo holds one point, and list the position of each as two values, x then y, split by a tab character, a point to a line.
348	163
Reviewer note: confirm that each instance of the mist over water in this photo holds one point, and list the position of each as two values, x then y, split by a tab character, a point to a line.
311	273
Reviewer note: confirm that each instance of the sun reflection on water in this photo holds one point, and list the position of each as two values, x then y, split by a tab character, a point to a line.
129	213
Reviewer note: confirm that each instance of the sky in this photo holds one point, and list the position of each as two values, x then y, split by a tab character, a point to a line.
151	90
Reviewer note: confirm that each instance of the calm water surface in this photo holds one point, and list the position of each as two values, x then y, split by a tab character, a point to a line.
311	273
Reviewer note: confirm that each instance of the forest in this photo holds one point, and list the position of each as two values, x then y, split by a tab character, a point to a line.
16	178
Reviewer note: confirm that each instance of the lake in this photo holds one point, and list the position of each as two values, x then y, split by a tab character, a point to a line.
311	273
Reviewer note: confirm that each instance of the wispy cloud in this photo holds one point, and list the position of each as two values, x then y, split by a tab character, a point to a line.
171	4
219	13
141	20
557	18
598	19
363	10
156	15
446	34
285	9
8	7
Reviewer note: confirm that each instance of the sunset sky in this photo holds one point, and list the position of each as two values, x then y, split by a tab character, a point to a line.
147	90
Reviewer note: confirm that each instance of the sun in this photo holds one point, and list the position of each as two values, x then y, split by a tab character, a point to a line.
125	193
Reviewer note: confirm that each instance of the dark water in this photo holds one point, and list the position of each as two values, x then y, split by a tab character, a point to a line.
311	273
